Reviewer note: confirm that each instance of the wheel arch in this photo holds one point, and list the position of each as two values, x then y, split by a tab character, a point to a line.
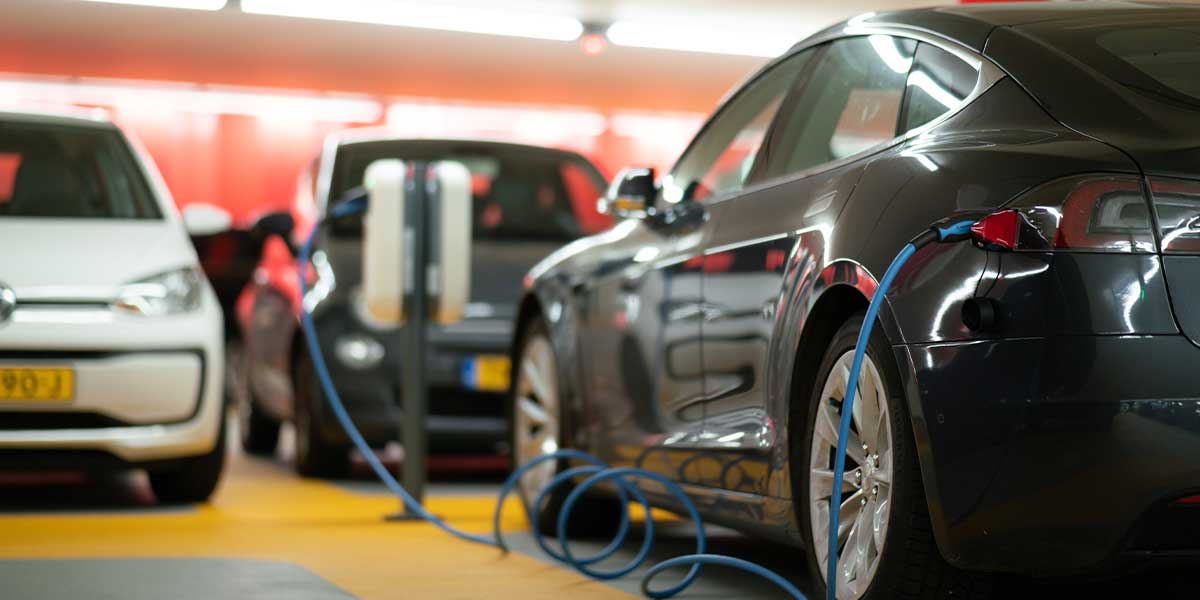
547	301
832	309
528	309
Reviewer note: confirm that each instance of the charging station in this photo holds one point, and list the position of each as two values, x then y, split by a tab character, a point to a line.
416	272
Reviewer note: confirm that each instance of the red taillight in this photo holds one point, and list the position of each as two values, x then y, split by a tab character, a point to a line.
1189	501
1094	213
1177	203
998	231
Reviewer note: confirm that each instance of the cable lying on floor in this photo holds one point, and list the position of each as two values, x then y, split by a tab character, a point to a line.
593	471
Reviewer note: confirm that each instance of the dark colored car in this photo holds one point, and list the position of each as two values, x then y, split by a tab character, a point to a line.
708	335
229	256
528	201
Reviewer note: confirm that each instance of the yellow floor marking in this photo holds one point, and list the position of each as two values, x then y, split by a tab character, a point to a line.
264	512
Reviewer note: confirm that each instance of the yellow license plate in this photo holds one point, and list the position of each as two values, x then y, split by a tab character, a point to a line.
489	373
37	384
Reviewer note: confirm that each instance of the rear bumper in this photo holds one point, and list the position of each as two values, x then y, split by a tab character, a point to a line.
1057	456
460	420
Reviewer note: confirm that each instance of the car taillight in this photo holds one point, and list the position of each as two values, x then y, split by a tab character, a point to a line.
1091	213
1177	202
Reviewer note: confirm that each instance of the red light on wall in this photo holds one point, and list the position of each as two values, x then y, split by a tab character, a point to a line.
1189	501
593	44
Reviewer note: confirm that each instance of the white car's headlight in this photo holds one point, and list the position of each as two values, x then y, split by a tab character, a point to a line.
170	293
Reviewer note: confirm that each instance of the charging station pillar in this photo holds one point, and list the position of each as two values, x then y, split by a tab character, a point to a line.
414	403
416	271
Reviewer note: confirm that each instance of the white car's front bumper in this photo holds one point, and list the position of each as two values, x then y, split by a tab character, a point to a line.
153	384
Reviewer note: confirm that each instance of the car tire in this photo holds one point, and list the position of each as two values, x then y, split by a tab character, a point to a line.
194	479
909	565
314	456
592	515
259	433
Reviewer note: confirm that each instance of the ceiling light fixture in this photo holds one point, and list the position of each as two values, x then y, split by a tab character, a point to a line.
189	4
546	125
425	16
144	96
714	40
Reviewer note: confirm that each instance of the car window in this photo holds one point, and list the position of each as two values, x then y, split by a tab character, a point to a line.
55	171
720	158
518	193
583	189
850	102
10	162
938	83
1155	56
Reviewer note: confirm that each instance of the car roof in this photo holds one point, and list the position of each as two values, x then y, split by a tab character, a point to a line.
364	136
970	25
65	116
370	135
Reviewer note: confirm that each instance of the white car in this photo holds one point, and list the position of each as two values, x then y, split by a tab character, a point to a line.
110	336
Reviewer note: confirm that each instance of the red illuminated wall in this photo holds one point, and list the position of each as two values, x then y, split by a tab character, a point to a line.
240	162
250	164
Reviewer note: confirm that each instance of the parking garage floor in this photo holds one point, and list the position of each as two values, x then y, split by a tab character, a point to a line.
269	534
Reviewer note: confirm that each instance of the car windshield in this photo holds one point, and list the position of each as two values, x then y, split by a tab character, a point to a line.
55	171
1158	58
519	193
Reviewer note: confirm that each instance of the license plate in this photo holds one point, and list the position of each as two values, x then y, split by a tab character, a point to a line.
37	384
486	373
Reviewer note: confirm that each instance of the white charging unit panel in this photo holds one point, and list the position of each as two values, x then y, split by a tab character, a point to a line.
384	245
452	246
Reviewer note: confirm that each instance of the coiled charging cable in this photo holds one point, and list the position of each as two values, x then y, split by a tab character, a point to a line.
593	471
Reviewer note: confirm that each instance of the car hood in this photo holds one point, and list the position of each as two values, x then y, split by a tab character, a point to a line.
54	259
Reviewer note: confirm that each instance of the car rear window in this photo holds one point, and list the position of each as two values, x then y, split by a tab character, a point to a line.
938	83
1169	57
54	171
1157	58
518	193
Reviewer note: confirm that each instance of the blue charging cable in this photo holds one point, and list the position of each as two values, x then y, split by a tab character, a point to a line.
944	232
594	471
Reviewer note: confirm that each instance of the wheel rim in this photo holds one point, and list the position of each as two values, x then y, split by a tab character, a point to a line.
867	483
536	414
239	381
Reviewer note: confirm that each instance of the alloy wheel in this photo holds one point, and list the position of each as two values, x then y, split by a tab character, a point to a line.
536	414
866	484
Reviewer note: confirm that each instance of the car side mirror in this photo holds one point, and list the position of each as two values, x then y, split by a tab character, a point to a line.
631	194
276	223
206	219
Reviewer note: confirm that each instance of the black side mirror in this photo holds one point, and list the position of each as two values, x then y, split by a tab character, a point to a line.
276	223
631	194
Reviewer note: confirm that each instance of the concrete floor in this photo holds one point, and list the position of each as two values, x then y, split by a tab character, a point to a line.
269	534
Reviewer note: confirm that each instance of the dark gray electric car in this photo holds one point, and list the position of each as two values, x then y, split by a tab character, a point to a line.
528	200
1028	403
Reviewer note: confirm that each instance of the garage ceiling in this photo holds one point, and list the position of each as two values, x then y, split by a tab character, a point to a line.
68	37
